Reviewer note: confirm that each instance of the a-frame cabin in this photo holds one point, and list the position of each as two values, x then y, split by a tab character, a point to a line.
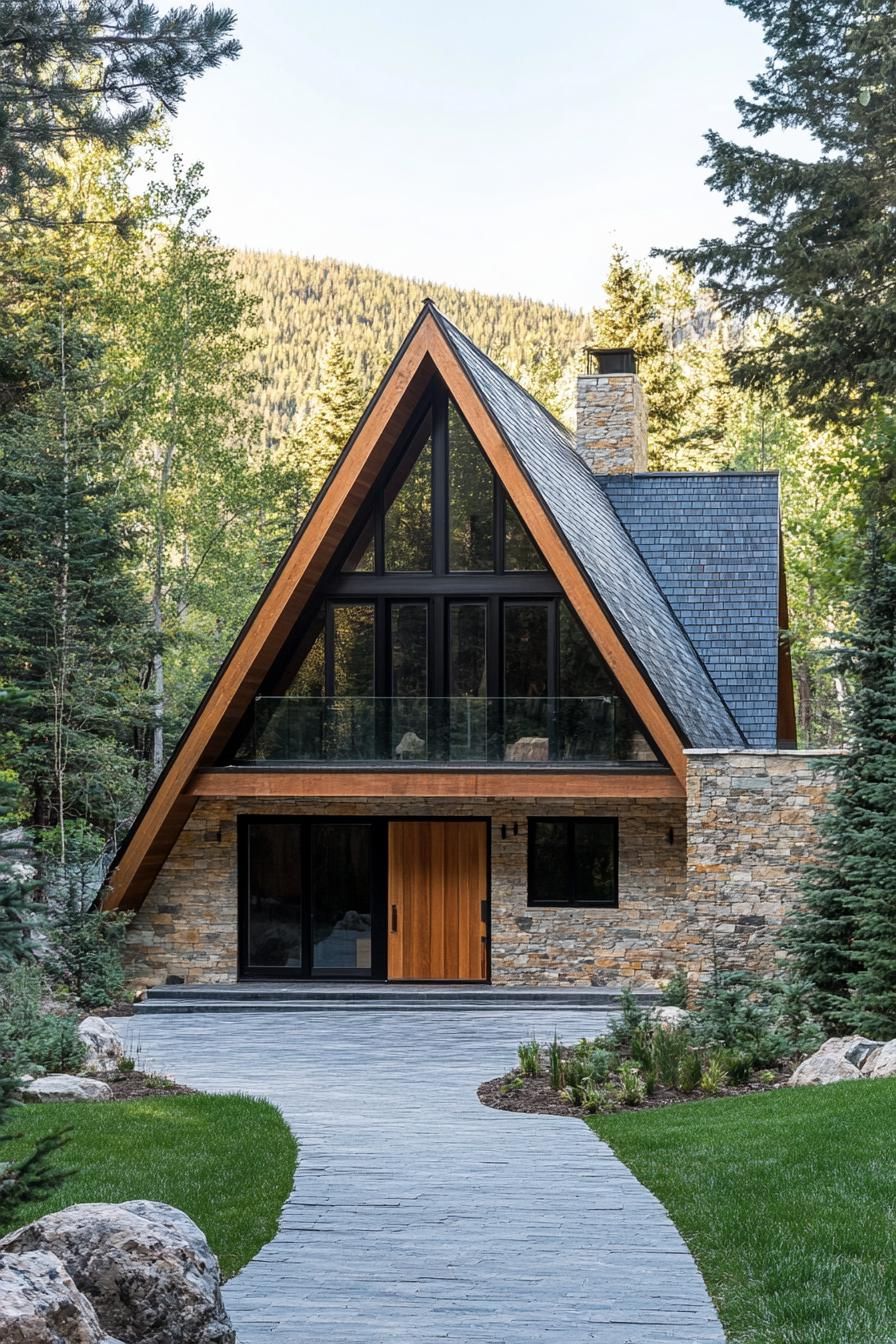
449	743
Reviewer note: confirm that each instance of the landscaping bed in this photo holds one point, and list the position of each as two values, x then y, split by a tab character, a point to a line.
227	1161
132	1084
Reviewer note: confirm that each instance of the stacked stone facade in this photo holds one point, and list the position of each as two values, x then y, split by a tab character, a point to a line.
699	885
752	829
611	423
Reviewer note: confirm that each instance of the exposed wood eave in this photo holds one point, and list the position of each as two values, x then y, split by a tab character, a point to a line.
295	784
424	352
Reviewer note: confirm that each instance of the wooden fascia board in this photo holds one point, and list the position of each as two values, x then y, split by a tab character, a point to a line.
303	565
295	784
559	557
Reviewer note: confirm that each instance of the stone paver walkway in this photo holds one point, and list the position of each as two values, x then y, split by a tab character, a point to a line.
419	1214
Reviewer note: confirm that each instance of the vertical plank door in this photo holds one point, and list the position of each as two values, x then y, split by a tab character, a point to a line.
438	883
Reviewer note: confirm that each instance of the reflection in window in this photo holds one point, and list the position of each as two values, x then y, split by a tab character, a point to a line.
274	915
361	559
526	681
467	687
520	552
594	722
339	879
471	501
409	680
409	515
573	862
351	717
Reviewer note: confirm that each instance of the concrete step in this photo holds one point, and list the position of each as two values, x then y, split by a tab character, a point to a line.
393	998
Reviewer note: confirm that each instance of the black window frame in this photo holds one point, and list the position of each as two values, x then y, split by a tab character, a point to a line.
572	901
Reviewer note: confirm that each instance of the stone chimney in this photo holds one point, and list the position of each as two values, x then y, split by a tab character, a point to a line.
611	415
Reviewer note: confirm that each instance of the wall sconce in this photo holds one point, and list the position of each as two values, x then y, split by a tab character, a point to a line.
214	835
516	829
670	835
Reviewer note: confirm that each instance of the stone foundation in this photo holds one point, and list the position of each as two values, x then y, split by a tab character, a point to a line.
752	828
698	887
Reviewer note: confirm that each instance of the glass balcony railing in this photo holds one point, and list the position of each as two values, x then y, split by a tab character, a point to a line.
380	730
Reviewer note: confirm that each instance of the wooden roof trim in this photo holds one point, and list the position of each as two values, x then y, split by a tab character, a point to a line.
426	350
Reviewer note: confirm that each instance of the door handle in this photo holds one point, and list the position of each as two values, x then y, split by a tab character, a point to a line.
395	919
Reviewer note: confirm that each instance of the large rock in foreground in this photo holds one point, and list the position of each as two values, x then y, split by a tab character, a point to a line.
66	1087
40	1303
147	1269
104	1047
838	1060
881	1063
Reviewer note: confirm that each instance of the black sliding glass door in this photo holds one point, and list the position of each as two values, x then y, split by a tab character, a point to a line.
307	896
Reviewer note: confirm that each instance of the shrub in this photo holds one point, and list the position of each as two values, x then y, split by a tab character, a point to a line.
714	1076
33	1040
530	1058
601	1100
631	1084
675	993
556	1070
668	1049
600	1062
766	1020
632	1022
689	1071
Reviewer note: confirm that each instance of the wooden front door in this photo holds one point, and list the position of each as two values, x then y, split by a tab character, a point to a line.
438	888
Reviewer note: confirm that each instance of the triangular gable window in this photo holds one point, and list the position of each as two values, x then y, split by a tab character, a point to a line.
521	555
407	538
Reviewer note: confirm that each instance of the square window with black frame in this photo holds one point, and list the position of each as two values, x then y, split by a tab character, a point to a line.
573	861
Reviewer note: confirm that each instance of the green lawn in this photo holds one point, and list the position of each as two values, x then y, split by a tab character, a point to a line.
227	1161
787	1200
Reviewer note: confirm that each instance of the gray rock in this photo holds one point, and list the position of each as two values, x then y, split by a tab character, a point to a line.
146	1268
669	1016
834	1062
103	1044
41	1304
881	1063
66	1087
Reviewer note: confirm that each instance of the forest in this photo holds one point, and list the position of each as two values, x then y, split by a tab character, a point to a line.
169	408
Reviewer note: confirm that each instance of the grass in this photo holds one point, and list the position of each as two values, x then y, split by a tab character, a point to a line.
787	1200
227	1161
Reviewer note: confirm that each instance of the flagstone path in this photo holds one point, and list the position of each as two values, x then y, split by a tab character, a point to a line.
418	1214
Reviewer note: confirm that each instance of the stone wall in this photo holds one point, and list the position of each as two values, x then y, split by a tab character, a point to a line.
752	827
187	925
611	422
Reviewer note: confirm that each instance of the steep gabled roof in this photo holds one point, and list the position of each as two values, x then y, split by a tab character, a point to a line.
597	537
712	543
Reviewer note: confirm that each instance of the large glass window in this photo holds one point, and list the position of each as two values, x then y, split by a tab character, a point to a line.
471	501
467	681
408	525
351	714
339	882
274	892
573	861
409	640
526	675
520	552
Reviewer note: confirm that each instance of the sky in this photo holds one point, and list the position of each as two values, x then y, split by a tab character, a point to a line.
502	145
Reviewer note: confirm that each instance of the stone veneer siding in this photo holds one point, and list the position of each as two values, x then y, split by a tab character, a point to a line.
752	828
188	923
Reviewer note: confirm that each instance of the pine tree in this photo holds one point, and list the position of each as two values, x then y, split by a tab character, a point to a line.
97	71
815	243
339	401
844	941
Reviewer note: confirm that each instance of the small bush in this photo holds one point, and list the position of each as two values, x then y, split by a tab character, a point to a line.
556	1071
600	1062
714	1076
675	995
667	1050
631	1084
601	1100
33	1040
529	1054
766	1020
631	1022
689	1070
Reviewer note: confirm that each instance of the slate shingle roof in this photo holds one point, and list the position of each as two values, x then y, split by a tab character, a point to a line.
619	575
711	542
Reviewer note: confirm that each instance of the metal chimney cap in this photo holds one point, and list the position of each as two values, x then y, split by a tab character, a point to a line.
621	360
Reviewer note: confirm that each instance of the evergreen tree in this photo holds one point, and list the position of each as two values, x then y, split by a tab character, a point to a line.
339	401
815	247
844	941
80	71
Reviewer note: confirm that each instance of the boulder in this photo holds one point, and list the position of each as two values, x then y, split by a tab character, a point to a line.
103	1044
66	1087
146	1268
880	1063
41	1304
839	1059
669	1016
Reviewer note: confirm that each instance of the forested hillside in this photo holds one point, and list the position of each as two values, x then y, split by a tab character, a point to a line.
304	303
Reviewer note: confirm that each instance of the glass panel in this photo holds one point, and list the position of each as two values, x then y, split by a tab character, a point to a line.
309	680
467	681
340	878
409	514
593	721
549	865
520	552
471	496
274	919
350	715
526	681
361	558
409	684
594	862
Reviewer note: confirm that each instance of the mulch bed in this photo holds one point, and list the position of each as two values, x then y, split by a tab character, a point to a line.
535	1096
133	1084
123	1009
